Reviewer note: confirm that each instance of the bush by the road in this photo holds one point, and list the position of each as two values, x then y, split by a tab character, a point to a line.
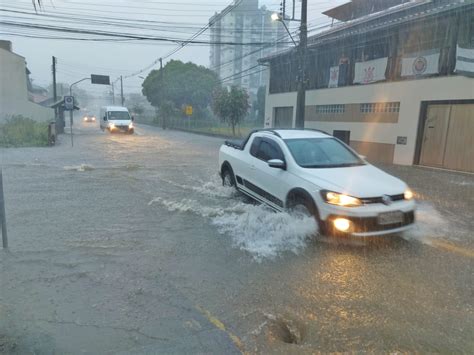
19	131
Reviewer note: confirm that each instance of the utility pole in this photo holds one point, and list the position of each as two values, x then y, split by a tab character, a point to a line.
3	218
302	48
55	93
121	89
161	80
113	94
59	124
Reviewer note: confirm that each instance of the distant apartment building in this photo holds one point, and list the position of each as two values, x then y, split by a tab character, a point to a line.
16	90
243	22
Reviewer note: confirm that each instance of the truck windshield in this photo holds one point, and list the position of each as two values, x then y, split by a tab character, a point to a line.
322	153
118	115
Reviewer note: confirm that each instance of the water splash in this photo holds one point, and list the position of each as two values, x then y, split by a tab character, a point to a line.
256	229
430	224
266	234
211	188
80	168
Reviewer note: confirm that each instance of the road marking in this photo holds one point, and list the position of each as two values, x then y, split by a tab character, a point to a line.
219	325
440	244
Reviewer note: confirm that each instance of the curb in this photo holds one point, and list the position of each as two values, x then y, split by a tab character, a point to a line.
208	134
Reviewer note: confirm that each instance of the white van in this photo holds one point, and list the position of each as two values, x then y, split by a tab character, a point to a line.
116	119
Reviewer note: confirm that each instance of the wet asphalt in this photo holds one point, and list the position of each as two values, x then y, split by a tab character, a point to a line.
130	245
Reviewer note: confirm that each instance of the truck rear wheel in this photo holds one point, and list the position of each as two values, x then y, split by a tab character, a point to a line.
228	178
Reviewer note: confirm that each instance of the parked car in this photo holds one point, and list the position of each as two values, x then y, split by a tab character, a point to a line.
316	173
116	119
89	118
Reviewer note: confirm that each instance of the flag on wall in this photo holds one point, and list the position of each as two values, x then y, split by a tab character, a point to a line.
370	71
333	77
418	64
465	61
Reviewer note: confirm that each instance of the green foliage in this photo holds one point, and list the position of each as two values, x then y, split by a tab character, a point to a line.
181	84
19	131
231	106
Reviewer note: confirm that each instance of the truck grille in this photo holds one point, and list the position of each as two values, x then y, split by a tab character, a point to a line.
370	200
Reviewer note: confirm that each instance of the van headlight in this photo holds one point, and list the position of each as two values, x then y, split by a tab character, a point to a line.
408	194
335	198
111	125
130	125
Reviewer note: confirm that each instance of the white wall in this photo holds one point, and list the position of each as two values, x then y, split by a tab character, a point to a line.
14	91
410	94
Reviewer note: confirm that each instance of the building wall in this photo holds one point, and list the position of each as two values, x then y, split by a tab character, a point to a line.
409	94
14	92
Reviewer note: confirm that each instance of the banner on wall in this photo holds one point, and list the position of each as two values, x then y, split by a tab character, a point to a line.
418	64
465	61
333	77
370	71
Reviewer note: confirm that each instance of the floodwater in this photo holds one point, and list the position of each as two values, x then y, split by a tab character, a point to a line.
129	244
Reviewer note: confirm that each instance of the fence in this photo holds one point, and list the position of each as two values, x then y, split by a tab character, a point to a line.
211	126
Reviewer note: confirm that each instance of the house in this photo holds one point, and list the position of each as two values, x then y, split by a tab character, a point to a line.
392	78
14	93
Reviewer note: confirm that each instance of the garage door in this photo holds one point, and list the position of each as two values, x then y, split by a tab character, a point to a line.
448	137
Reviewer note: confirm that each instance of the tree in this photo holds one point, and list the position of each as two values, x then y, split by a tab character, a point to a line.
231	106
181	84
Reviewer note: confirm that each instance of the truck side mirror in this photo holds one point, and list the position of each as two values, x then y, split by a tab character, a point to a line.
133	118
105	118
277	164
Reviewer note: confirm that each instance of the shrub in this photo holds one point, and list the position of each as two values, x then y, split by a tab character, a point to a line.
19	131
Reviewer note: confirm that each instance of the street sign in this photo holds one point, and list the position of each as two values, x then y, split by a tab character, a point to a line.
100	79
189	110
69	103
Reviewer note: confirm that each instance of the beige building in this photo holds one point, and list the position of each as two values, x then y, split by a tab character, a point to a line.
396	84
14	95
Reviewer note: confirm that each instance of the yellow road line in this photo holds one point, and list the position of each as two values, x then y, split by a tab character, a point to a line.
219	325
440	244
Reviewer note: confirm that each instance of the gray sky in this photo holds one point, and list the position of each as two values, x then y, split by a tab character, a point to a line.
77	59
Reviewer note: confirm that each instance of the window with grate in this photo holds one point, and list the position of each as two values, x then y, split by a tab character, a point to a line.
330	109
380	107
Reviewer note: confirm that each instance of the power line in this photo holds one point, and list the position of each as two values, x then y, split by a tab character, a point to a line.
197	34
124	35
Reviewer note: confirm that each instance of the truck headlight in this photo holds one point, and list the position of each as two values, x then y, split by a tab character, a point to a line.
335	198
130	125
408	194
112	126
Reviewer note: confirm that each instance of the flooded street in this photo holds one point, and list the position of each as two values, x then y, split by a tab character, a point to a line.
130	244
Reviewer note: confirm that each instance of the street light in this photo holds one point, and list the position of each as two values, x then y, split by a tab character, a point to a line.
302	48
71	113
277	17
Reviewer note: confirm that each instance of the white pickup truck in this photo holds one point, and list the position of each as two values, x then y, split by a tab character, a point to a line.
320	175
